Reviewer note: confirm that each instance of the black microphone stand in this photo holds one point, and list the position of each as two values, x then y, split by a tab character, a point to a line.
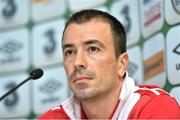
35	74
13	89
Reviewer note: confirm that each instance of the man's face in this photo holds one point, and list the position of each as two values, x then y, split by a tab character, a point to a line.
89	59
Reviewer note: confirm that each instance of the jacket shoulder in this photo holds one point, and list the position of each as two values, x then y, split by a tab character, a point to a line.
150	90
54	113
154	103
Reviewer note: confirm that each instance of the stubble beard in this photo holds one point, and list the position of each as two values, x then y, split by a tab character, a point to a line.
83	92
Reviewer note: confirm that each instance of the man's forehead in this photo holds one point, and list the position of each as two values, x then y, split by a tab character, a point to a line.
90	32
93	21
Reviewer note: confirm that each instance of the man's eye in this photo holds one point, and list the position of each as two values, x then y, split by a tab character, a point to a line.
69	52
94	49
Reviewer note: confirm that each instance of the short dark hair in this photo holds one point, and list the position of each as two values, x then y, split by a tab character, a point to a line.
117	29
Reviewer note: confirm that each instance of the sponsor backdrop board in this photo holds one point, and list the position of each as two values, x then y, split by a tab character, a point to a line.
30	37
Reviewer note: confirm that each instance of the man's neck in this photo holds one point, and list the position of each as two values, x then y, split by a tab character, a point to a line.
102	106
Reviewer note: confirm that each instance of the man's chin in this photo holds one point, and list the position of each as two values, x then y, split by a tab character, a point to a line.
84	94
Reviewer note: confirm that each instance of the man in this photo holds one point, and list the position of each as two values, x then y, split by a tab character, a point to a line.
96	61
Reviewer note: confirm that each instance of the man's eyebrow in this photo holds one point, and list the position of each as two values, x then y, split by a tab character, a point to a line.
67	45
94	42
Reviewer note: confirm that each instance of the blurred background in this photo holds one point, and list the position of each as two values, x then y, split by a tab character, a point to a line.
30	37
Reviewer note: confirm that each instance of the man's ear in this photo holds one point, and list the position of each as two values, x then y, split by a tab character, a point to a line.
122	64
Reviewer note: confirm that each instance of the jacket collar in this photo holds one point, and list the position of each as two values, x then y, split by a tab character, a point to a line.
72	106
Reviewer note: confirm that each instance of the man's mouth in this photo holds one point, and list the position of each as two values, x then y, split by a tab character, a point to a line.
81	78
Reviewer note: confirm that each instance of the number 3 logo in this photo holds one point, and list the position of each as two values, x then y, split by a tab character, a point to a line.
12	99
51	46
10	9
127	22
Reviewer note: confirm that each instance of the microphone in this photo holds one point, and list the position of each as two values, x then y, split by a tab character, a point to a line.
34	75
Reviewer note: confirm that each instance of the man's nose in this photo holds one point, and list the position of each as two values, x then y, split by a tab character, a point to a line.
80	60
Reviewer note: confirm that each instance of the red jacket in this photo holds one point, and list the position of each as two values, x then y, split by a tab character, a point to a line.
136	102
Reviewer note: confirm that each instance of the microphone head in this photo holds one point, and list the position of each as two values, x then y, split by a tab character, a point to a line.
36	74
